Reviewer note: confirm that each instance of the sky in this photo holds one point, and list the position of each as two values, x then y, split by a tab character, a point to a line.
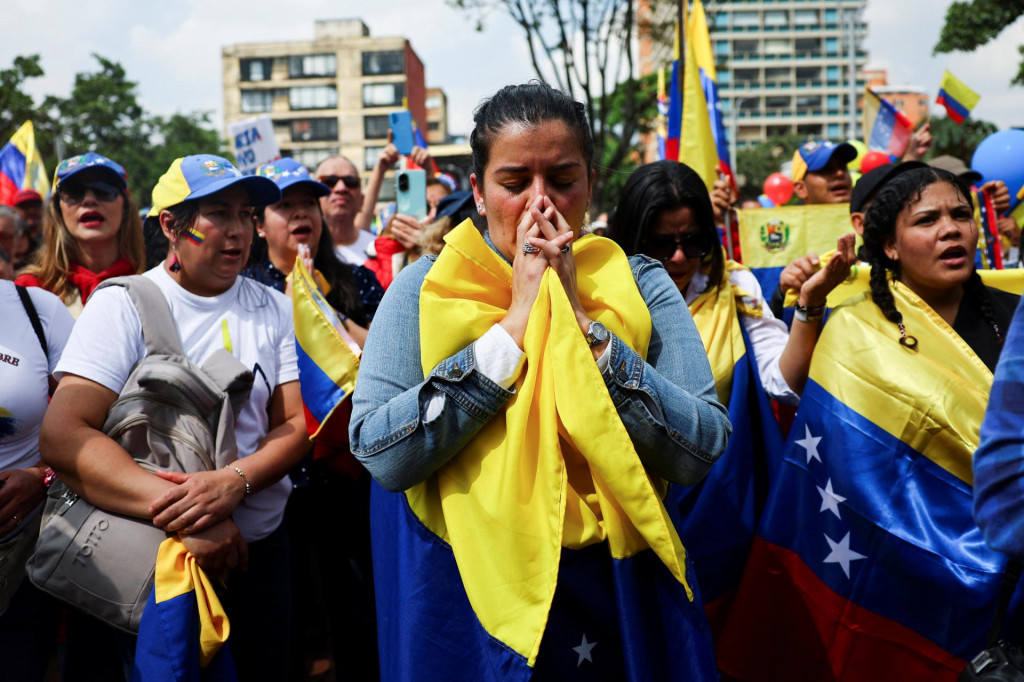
172	48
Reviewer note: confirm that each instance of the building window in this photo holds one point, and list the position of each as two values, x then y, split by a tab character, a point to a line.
383	94
310	158
831	17
311	129
383	63
807	45
745	48
776	18
808	102
831	45
721	48
256	101
376	127
745	19
256	69
721	19
833	104
434	102
725	78
805	17
370	156
832	74
834	131
312	65
433	126
314	97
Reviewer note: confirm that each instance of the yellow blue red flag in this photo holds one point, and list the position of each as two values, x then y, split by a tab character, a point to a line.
698	149
21	165
886	128
956	97
328	361
184	630
868	564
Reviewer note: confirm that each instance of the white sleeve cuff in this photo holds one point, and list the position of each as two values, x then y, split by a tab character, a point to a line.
605	357
498	357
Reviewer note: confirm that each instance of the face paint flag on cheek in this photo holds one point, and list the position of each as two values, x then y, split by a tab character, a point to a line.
195	236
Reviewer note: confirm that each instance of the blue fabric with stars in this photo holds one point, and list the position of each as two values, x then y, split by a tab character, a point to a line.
611	620
884	527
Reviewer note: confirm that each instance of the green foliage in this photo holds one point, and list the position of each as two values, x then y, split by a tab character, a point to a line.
102	114
754	164
16	107
974	23
958	140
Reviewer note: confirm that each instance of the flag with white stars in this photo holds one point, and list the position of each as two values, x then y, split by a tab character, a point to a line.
868	564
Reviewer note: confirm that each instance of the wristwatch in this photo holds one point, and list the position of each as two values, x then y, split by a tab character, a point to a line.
596	333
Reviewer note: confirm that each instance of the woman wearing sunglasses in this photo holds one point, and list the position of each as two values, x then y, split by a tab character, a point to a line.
665	213
91	231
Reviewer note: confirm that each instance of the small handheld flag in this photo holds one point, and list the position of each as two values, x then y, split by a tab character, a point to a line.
956	97
886	128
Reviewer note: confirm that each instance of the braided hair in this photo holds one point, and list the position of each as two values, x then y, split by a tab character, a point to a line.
880	230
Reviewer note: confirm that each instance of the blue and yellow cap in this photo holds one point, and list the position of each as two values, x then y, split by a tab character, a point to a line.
288	172
200	175
813	156
91	160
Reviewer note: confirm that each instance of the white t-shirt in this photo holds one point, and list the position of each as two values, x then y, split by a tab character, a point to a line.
355	253
24	368
252	320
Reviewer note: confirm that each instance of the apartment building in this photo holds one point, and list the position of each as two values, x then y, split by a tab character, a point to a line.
328	95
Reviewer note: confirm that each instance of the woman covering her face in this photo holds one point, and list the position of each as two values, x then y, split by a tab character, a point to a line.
91	231
229	518
546	388
886	569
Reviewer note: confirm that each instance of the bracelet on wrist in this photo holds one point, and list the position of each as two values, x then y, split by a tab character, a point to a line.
808	313
248	488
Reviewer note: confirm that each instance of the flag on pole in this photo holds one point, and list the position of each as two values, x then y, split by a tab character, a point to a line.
701	40
675	108
698	149
886	128
956	97
661	123
21	165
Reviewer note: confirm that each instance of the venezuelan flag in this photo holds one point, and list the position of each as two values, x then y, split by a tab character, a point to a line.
661	124
956	97
21	166
328	362
698	149
717	518
184	631
675	108
868	564
698	35
771	238
886	128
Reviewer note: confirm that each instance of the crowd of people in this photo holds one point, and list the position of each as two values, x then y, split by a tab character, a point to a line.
551	430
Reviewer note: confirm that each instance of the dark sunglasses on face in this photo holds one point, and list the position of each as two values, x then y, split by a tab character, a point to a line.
350	181
74	193
664	247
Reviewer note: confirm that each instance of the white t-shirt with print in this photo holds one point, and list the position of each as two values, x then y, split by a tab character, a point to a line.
355	253
24	368
252	320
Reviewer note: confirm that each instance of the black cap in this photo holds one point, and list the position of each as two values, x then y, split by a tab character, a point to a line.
869	183
453	203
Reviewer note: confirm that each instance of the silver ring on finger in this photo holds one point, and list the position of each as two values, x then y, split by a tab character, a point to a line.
16	519
530	248
567	248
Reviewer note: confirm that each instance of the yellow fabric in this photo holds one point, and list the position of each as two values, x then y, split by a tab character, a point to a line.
933	399
177	574
697	144
556	468
171	189
775	237
716	312
698	35
859	281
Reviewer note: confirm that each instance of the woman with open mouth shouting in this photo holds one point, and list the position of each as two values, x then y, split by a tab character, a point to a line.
91	231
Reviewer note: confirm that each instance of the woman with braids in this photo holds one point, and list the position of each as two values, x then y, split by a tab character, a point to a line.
886	575
331	587
547	388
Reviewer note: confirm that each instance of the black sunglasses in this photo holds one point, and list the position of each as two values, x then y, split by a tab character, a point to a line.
351	181
664	247
74	192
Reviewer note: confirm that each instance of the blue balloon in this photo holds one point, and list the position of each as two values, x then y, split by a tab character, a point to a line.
1000	156
765	201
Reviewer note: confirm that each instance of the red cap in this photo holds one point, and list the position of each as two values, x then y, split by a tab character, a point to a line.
26	195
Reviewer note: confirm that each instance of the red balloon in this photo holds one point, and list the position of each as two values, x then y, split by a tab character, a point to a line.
873	160
778	188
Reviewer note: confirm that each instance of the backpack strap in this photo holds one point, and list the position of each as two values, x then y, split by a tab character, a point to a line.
33	316
158	328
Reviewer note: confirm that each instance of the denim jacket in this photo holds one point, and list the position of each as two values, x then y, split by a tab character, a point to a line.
667	404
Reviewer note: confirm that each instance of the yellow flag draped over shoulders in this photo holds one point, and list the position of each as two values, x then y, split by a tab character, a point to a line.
556	468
